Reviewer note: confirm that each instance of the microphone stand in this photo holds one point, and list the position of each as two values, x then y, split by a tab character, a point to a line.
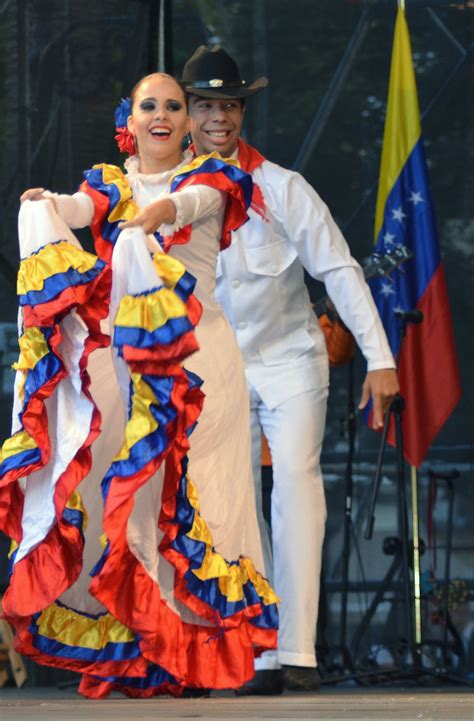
399	548
348	494
342	648
395	410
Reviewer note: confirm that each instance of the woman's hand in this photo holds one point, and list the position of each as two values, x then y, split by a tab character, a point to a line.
33	194
154	215
38	194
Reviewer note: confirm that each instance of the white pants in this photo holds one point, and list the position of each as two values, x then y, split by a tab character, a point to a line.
294	430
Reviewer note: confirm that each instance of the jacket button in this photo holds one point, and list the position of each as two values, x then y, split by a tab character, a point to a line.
235	283
242	325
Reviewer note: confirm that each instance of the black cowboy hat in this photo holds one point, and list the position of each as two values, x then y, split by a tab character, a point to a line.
214	74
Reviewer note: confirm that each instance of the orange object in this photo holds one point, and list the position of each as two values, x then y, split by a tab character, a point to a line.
339	341
266	455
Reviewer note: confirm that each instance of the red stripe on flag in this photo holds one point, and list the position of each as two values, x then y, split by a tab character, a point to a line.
428	372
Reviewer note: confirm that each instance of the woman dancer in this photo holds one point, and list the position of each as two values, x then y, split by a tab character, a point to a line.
99	478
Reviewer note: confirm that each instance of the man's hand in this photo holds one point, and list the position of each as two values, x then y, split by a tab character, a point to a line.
154	215
380	385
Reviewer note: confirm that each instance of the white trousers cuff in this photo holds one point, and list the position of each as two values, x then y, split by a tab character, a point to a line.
287	658
268	661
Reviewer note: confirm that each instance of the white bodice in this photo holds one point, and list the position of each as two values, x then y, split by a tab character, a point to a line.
200	205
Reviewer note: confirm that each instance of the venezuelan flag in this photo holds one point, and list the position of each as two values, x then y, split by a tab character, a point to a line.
428	370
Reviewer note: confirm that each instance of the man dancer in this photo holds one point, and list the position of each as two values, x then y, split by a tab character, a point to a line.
260	284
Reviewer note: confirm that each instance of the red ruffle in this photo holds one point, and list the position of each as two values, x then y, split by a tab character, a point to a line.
103	247
235	212
59	555
220	656
94	688
24	644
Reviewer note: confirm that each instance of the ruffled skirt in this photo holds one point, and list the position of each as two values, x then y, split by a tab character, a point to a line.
126	484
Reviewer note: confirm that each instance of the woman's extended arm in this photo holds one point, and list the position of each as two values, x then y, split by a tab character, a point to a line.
178	209
76	210
154	215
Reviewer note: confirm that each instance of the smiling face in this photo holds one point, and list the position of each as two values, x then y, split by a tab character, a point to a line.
215	124
159	121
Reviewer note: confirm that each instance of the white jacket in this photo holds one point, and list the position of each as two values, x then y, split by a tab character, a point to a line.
260	285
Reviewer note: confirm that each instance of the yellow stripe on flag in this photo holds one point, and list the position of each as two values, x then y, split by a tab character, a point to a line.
402	125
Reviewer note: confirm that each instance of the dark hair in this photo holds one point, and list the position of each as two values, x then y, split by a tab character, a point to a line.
162	75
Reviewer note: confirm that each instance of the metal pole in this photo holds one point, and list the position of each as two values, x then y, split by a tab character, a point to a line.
319	121
416	554
165	37
346	551
404	530
414	3
447	568
24	119
161	37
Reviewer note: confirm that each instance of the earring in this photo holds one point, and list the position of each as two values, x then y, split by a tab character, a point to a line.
187	140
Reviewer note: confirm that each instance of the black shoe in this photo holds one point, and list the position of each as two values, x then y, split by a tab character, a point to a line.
301	678
268	682
190	692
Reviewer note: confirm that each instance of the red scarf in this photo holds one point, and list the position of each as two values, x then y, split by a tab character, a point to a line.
249	159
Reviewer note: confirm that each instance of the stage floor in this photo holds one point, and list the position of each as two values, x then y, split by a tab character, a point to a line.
50	704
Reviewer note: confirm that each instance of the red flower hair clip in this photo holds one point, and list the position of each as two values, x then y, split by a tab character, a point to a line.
124	137
125	141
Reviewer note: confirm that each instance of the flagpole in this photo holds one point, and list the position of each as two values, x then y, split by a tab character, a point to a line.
416	556
415	529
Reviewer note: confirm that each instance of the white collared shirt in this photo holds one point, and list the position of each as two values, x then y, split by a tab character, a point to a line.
260	284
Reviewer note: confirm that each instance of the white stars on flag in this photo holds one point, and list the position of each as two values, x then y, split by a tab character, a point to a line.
389	238
398	214
416	198
386	290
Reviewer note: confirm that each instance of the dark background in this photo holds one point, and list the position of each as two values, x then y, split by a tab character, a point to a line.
64	64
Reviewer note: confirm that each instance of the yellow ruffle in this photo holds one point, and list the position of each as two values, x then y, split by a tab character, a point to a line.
197	162
150	312
75	503
231	578
126	208
170	269
13	546
72	629
33	347
141	422
19	442
50	260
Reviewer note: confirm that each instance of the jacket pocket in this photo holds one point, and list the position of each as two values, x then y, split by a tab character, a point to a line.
287	347
270	259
